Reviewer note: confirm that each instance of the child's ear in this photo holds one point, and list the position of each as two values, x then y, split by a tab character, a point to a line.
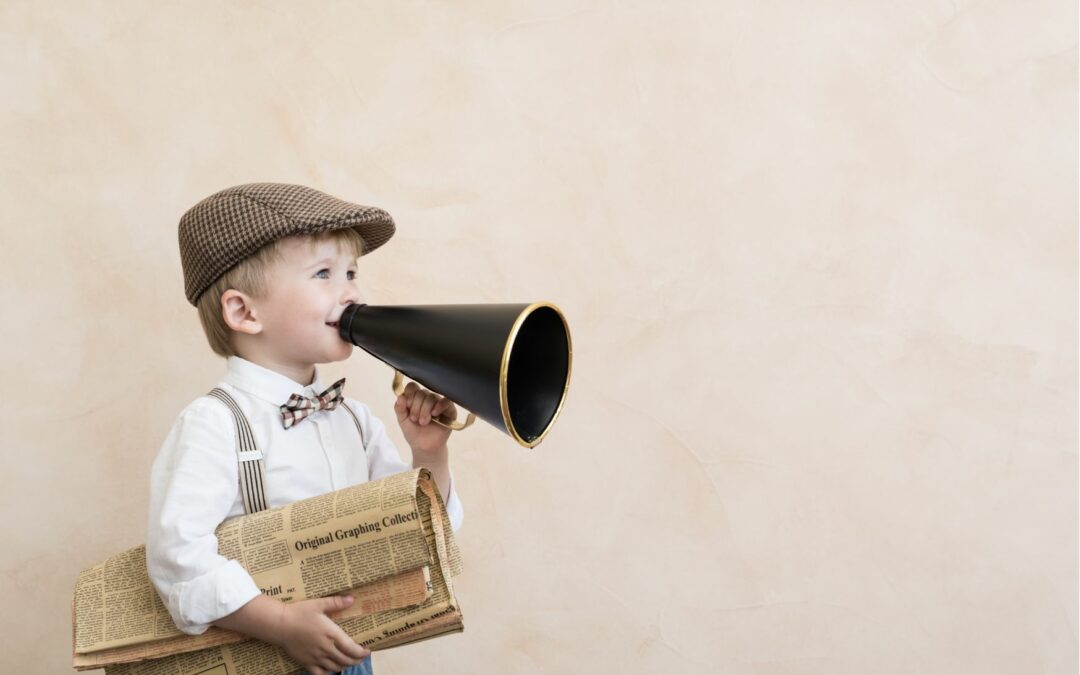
239	312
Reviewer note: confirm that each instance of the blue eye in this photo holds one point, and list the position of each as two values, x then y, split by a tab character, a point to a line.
350	275
317	274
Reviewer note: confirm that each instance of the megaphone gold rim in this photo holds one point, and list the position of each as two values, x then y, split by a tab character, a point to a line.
504	368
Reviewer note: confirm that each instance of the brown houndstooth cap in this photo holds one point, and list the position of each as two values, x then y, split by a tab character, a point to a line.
234	223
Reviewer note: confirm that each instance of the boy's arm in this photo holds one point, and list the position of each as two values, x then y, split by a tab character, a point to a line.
415	409
193	486
303	629
383	460
438	463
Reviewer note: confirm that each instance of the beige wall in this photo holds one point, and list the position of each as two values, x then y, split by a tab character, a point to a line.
819	259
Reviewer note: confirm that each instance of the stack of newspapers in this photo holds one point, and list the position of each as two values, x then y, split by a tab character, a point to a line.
386	542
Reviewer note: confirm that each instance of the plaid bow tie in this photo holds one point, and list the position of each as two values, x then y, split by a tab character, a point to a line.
299	407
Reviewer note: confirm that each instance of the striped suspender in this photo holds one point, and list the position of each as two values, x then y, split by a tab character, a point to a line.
251	466
356	420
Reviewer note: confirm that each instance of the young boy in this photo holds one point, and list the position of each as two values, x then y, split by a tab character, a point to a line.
270	268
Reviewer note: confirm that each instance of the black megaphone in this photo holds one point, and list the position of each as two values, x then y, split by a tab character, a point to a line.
509	364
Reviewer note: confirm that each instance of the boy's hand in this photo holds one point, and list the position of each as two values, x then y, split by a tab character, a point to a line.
314	640
414	409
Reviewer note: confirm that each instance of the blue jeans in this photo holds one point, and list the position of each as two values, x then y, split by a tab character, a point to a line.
362	668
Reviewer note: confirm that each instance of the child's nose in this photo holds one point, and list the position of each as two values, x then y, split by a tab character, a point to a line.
350	295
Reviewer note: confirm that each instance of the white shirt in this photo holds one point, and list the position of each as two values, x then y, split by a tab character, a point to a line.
194	483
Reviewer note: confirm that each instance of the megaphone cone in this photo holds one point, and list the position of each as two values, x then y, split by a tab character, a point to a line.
509	364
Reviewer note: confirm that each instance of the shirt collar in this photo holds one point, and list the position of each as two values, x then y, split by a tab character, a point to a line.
267	384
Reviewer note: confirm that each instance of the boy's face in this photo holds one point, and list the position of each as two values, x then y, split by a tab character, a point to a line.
307	289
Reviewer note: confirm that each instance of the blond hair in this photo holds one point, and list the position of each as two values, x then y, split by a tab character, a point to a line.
251	276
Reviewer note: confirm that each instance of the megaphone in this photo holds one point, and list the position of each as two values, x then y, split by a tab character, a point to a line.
509	364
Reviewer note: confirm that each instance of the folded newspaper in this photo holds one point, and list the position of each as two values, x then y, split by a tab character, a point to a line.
386	542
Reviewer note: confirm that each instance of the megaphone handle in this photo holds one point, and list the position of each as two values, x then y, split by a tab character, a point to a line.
453	425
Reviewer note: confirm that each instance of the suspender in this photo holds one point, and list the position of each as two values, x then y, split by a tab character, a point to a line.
359	429
252	468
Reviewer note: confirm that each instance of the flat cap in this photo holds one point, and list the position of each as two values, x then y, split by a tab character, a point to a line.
230	225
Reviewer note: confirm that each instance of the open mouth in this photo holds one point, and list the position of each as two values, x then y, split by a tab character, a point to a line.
332	324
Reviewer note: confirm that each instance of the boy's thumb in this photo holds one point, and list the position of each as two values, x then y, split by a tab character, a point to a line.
336	602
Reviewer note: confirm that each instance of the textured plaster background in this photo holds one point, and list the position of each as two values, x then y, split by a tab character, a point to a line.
819	259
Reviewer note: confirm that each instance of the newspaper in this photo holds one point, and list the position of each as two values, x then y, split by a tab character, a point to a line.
400	590
387	542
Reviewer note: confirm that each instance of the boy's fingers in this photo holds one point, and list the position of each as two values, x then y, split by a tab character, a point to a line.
444	405
421	405
426	405
347	649
449	409
416	406
351	649
416	401
336	603
329	665
401	408
338	660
